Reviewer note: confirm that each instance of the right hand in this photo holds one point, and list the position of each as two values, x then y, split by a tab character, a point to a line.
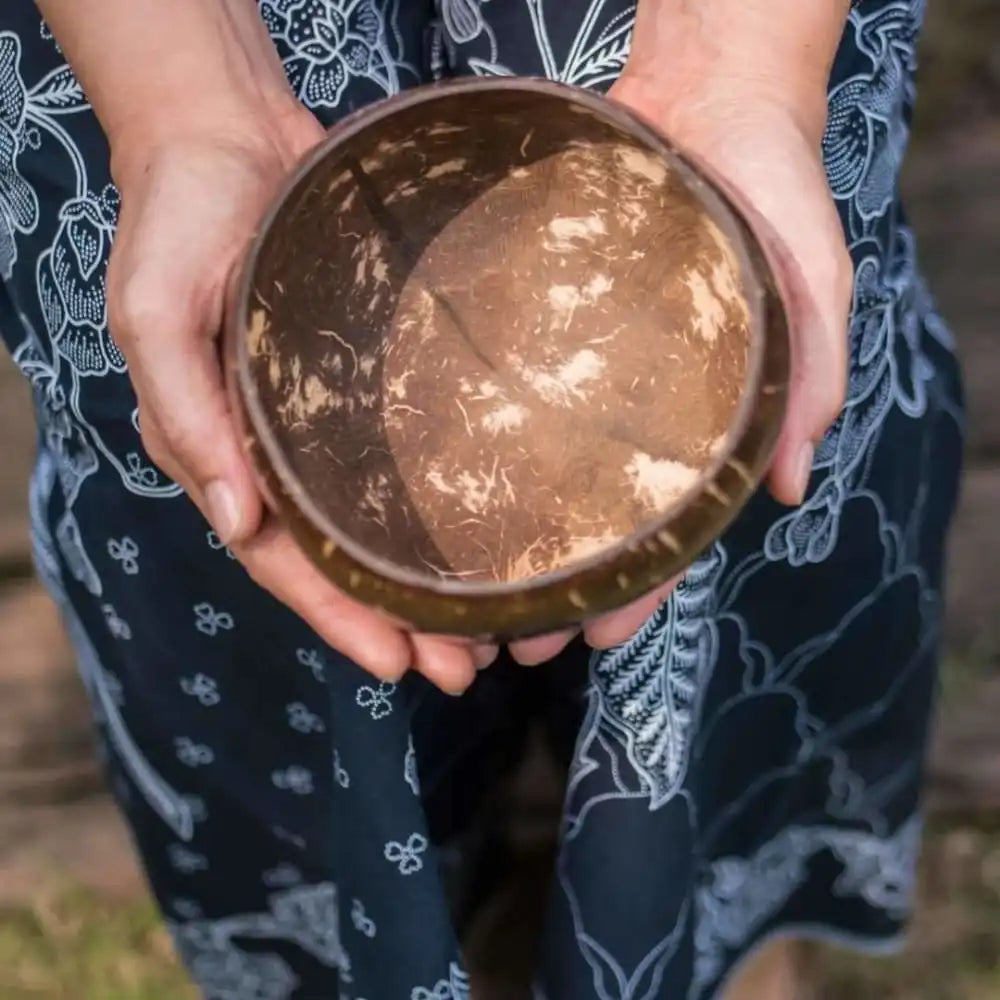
191	199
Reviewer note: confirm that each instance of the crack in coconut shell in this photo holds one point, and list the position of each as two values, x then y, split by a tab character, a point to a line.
511	381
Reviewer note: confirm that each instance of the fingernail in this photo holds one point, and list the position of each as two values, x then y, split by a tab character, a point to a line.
223	510
803	470
483	656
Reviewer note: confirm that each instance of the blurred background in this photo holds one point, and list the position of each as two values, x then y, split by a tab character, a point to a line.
75	922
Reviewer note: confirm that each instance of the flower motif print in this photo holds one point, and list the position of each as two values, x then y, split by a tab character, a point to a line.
304	720
139	473
71	284
295	779
888	367
202	687
125	552
18	202
866	131
363	924
211	622
193	754
214	542
408	857
376	699
329	41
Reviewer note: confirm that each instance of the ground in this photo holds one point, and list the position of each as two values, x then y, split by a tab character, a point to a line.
75	923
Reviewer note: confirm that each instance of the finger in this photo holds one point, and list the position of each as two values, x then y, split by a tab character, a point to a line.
165	300
819	307
532	652
619	626
277	564
448	664
485	655
800	234
787	203
187	426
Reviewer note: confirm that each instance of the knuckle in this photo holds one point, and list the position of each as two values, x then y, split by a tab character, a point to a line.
154	445
178	439
139	306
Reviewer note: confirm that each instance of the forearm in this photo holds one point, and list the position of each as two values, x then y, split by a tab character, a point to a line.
150	67
782	48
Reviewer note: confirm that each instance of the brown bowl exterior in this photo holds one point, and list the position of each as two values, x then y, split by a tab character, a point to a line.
658	553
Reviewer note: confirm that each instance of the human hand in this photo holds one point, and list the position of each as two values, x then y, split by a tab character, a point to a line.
759	138
761	144
190	204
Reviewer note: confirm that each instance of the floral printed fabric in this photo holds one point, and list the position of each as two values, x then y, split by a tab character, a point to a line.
748	764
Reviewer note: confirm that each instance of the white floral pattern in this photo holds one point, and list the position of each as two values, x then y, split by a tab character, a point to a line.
329	43
18	201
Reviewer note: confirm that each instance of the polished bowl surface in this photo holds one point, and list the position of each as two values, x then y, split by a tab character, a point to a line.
504	358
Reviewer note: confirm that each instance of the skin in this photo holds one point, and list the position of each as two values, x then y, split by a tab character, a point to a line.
203	128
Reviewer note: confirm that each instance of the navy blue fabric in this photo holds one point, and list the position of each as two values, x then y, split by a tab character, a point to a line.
749	763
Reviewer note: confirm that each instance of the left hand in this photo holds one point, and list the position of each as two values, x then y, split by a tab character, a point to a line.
761	144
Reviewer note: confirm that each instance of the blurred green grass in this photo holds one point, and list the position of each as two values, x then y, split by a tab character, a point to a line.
70	945
73	946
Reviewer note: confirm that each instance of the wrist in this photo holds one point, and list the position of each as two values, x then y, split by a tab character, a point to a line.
722	54
274	133
157	74
698	109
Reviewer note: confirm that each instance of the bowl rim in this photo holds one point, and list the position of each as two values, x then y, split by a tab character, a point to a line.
725	214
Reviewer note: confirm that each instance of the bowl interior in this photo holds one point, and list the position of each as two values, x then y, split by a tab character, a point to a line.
495	332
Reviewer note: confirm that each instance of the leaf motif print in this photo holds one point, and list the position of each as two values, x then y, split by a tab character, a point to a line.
604	58
462	19
59	93
847	139
482	67
327	44
649	688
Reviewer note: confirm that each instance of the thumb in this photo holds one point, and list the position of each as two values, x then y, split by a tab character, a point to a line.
185	421
797	228
818	307
780	189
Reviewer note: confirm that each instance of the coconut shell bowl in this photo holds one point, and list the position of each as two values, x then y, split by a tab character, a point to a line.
505	360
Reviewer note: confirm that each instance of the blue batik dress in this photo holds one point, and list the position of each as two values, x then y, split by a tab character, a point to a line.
749	764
